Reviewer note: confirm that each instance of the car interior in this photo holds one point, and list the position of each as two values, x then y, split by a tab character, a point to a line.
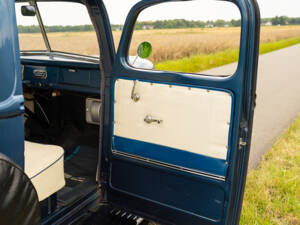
61	139
62	104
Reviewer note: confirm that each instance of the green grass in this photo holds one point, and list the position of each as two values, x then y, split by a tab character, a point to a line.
199	63
272	193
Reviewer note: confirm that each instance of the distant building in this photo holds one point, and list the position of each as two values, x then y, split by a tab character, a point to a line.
209	25
269	23
147	27
116	27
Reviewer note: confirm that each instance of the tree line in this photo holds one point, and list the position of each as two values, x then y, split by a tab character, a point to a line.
36	29
164	24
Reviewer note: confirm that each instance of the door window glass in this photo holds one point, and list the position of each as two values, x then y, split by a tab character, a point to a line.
189	36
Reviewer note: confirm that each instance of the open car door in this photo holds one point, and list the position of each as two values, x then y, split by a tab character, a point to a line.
11	95
176	145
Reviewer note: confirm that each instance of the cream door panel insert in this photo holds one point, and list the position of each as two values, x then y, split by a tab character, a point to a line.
191	119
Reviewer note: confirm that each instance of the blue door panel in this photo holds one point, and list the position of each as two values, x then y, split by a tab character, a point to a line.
171	195
12	106
193	196
6	52
171	156
11	96
12	139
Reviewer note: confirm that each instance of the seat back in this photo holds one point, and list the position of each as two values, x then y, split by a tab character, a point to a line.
19	202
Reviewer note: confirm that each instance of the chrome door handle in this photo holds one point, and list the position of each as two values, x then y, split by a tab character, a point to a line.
148	119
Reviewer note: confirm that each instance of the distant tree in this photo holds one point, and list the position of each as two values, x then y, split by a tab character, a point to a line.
235	23
220	23
280	20
294	21
162	24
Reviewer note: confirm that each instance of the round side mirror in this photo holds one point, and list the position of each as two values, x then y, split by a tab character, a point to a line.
28	10
144	50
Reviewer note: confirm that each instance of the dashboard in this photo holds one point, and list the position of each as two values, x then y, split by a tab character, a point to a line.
66	74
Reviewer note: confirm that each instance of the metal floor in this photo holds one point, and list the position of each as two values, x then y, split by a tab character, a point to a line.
106	216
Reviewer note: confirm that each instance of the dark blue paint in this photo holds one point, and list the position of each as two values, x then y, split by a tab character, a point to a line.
171	155
29	78
85	80
242	84
12	138
171	190
12	106
11	98
69	214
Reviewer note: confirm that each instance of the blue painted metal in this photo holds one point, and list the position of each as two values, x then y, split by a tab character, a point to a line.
120	189
11	96
178	192
69	214
85	80
171	156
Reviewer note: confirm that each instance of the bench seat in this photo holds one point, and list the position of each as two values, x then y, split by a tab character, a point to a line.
44	165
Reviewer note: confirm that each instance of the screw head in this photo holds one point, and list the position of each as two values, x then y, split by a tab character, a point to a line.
136	97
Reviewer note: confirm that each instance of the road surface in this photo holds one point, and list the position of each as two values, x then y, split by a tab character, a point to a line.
278	97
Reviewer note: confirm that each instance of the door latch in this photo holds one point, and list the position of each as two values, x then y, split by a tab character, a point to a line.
148	119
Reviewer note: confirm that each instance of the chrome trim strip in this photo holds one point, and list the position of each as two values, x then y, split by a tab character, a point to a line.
61	54
158	163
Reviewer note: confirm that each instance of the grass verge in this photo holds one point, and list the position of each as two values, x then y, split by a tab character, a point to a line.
199	63
272	193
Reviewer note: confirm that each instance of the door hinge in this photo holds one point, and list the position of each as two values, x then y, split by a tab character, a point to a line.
242	143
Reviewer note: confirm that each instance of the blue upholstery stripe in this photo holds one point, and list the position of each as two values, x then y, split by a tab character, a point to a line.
47	167
170	155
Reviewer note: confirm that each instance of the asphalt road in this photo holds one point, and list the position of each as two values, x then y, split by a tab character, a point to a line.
278	98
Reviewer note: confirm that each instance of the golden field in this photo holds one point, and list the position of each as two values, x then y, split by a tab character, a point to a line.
167	44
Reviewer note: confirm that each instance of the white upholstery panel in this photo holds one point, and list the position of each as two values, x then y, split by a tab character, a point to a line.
44	165
194	119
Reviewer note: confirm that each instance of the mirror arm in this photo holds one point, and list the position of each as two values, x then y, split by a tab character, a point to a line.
135	60
42	27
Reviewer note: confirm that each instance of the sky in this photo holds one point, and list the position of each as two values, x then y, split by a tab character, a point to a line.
56	13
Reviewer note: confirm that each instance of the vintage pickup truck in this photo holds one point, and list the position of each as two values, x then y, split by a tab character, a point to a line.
97	140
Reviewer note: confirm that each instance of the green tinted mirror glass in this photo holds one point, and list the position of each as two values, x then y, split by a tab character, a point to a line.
28	10
144	50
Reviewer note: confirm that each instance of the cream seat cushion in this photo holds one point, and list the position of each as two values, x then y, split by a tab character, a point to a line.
44	165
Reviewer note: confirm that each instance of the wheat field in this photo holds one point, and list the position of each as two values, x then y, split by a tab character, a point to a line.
167	44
